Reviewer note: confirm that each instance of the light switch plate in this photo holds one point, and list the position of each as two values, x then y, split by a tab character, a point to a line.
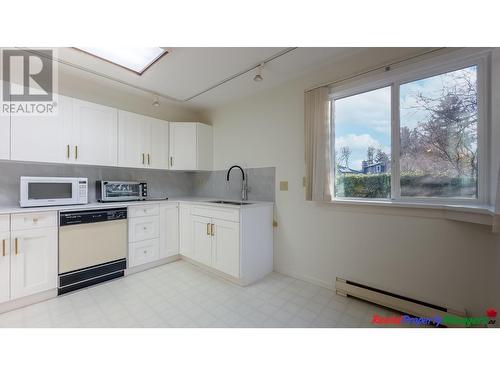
283	185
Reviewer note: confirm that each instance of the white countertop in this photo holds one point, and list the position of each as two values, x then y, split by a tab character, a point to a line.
97	205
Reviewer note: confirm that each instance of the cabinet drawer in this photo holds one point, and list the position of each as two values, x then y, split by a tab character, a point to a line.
146	210
33	220
4	223
143	228
217	213
143	252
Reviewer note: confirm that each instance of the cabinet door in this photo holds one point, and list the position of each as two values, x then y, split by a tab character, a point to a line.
134	140
143	252
33	261
183	153
143	228
202	240
169	230
204	148
226	247
95	133
185	231
4	266
44	138
158	157
4	133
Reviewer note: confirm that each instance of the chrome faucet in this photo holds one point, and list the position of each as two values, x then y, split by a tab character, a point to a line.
244	185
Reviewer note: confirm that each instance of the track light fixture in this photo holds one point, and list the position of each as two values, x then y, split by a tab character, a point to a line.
258	76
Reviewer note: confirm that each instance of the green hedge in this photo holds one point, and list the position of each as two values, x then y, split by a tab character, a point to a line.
379	186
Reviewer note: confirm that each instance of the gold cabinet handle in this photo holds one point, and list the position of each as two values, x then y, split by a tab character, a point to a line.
212	229
143	156
76	152
3	247
16	246
149	159
208	229
67	151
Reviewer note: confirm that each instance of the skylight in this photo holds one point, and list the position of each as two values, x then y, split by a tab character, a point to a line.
136	59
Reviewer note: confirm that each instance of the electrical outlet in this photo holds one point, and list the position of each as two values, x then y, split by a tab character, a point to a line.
283	185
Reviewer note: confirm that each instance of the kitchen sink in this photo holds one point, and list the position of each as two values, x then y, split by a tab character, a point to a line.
230	202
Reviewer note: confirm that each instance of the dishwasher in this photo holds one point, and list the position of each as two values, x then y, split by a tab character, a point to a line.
92	247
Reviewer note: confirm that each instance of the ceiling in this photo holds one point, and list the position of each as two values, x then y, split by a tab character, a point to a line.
188	75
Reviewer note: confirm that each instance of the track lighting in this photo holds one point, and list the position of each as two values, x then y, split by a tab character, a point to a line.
258	76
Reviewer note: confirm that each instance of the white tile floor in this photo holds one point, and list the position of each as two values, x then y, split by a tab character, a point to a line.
181	295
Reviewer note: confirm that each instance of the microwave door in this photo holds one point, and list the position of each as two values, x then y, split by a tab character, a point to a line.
40	193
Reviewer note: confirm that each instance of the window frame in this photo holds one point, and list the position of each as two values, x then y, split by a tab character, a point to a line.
413	72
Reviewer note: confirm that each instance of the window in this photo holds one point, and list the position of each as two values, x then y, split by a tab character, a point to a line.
438	135
136	59
363	145
413	136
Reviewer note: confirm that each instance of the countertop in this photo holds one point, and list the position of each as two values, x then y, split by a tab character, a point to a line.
97	205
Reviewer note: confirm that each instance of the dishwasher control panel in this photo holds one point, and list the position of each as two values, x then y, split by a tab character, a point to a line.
91	216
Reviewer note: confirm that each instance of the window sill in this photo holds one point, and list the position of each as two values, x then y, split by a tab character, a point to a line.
478	214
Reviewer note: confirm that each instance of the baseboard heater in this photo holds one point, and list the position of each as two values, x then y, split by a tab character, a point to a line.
393	301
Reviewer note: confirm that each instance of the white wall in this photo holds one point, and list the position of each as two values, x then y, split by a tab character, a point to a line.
436	260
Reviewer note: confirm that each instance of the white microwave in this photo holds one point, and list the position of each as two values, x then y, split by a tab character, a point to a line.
53	191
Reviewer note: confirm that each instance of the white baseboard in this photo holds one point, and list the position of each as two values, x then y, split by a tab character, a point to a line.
147	266
307	279
29	300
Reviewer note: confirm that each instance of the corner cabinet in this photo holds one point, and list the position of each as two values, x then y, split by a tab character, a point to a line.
191	146
236	242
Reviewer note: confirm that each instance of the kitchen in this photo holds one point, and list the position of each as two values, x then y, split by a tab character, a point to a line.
144	189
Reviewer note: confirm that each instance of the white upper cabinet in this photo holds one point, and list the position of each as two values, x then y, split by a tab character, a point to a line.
133	136
191	146
4	134
158	157
95	133
44	138
142	141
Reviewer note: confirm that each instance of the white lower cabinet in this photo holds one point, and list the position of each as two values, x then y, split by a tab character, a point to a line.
202	239
236	241
153	233
225	246
216	244
143	228
143	252
169	229
28	254
5	267
33	266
